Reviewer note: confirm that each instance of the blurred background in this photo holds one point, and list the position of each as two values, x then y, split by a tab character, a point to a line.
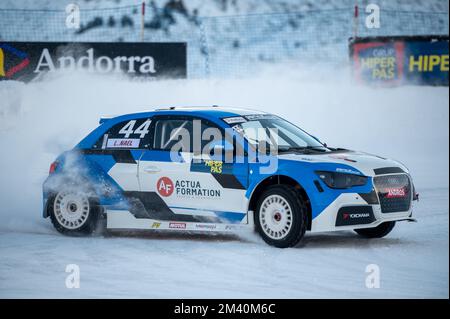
227	37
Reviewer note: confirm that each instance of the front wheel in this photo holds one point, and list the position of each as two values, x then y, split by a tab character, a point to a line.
74	212
281	216
376	232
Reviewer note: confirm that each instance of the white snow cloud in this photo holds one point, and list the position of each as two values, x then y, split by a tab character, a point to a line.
40	120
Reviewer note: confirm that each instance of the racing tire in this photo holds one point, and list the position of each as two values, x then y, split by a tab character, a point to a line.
376	232
281	216
74	212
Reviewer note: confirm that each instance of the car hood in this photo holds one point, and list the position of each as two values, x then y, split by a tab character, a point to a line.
363	162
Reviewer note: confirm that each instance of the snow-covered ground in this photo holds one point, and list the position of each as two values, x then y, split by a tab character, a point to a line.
39	120
413	263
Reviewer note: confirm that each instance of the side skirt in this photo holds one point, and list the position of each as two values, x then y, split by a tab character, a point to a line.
122	219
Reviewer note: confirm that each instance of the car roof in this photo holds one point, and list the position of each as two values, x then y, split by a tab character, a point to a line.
209	111
215	109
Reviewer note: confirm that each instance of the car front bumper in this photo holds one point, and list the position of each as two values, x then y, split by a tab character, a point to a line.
352	210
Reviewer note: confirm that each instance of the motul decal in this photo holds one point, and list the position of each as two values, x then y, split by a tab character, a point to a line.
177	225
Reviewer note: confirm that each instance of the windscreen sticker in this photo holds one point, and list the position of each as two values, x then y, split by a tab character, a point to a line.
234	120
255	117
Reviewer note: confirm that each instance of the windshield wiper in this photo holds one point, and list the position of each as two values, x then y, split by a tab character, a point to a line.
303	149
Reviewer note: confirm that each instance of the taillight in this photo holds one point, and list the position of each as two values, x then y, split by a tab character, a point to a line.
53	167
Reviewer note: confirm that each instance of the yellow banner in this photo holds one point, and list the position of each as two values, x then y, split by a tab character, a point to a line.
2	65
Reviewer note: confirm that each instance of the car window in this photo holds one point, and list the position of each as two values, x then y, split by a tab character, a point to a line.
183	132
131	134
171	132
210	133
261	129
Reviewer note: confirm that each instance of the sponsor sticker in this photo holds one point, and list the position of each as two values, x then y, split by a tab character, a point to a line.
396	192
187	188
215	166
164	186
205	226
347	170
255	117
193	188
234	120
156	225
123	143
177	225
354	215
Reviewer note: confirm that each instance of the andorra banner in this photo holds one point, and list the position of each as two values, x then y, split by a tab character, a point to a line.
24	61
421	60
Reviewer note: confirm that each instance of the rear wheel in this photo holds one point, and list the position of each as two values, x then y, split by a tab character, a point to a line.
74	212
376	232
281	216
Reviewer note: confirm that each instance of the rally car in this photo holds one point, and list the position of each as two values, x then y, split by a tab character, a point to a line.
222	169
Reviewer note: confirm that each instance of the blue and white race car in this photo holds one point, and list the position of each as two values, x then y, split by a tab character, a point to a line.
222	169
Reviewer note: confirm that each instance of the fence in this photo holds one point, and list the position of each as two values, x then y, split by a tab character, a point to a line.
233	45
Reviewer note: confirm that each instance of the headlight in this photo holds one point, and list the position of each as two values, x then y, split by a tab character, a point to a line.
341	180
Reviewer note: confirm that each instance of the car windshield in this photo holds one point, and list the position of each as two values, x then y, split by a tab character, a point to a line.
273	131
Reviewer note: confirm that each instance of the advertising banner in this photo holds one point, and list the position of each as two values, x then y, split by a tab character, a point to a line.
24	61
401	60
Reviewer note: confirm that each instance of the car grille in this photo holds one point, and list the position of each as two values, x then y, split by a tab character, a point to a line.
394	192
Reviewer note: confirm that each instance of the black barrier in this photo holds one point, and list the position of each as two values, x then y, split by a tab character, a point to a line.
421	60
25	61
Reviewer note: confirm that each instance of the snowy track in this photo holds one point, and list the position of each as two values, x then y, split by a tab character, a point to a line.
413	262
40	120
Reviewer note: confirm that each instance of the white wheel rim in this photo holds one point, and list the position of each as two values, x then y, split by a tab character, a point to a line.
71	209
275	217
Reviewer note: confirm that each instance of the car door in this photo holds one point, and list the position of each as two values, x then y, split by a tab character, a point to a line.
118	150
185	184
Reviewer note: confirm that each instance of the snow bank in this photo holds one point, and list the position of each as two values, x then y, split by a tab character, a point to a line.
39	120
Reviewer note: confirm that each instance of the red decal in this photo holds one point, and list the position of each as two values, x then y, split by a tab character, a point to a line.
396	192
164	186
177	225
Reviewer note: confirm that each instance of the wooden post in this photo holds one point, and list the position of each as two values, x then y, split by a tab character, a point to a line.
142	20
356	21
